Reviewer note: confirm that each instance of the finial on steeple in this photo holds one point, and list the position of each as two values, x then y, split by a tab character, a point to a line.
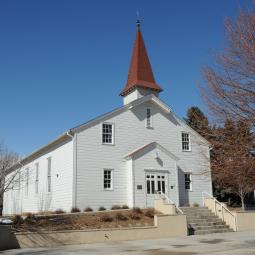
138	23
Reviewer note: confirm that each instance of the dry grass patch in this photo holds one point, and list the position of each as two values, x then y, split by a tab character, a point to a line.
92	220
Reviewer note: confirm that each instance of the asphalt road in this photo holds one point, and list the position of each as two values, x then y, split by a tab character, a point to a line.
241	243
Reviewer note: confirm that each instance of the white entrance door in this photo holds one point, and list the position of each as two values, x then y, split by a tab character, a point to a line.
155	182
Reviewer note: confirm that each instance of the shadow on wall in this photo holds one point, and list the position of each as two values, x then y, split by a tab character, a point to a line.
183	194
7	239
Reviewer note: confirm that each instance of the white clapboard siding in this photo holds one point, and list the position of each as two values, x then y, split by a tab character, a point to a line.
130	134
16	201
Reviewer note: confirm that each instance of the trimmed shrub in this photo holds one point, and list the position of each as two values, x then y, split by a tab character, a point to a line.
137	210
101	208
149	213
125	207
106	218
59	211
116	207
75	210
195	205
120	216
88	209
31	218
17	220
134	216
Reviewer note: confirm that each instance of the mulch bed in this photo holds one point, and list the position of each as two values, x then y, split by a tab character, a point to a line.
85	221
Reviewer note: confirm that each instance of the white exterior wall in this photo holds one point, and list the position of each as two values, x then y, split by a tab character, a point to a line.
131	133
136	94
145	163
16	201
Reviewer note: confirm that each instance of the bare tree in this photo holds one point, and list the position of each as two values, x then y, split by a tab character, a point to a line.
230	96
7	180
230	89
233	167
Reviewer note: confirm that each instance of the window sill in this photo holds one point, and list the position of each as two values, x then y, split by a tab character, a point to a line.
108	189
108	144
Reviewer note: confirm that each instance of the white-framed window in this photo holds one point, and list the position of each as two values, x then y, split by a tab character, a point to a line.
187	181
107	133
36	178
108	179
186	141
148	118
27	179
49	175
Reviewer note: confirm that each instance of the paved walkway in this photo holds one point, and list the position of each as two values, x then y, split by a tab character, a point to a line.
241	243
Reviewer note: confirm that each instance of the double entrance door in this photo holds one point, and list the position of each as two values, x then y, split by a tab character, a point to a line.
155	182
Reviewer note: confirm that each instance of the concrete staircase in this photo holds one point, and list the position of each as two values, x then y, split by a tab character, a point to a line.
202	221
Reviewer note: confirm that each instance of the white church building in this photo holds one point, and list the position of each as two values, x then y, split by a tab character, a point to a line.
123	157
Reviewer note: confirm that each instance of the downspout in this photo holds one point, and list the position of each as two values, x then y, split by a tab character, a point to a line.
20	203
177	184
209	156
74	193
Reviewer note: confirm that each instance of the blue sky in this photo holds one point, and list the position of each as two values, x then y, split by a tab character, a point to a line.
65	62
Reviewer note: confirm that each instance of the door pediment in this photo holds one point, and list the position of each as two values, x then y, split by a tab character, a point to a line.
139	152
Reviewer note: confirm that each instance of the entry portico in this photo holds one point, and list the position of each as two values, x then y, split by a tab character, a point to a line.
152	168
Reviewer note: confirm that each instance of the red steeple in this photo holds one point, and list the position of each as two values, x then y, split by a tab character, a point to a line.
140	73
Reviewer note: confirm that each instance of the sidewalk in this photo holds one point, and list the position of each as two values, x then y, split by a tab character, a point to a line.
240	243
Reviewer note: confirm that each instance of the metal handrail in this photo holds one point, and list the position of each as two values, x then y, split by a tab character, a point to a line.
221	205
169	200
216	201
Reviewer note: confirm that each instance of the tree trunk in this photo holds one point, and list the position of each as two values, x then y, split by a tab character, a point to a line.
242	195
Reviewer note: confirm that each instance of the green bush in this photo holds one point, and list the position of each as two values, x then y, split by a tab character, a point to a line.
125	207
101	208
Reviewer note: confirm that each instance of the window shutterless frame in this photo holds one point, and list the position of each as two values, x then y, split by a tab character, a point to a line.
148	118
185	141
107	133
108	179
188	181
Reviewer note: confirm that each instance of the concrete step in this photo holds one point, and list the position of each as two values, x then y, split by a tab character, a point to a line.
189	218
204	232
209	227
206	223
200	214
202	221
193	208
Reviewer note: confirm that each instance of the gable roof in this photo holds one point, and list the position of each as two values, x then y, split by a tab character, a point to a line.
140	72
151	145
129	106
69	133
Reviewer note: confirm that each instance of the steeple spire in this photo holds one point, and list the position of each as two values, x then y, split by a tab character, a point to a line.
140	73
